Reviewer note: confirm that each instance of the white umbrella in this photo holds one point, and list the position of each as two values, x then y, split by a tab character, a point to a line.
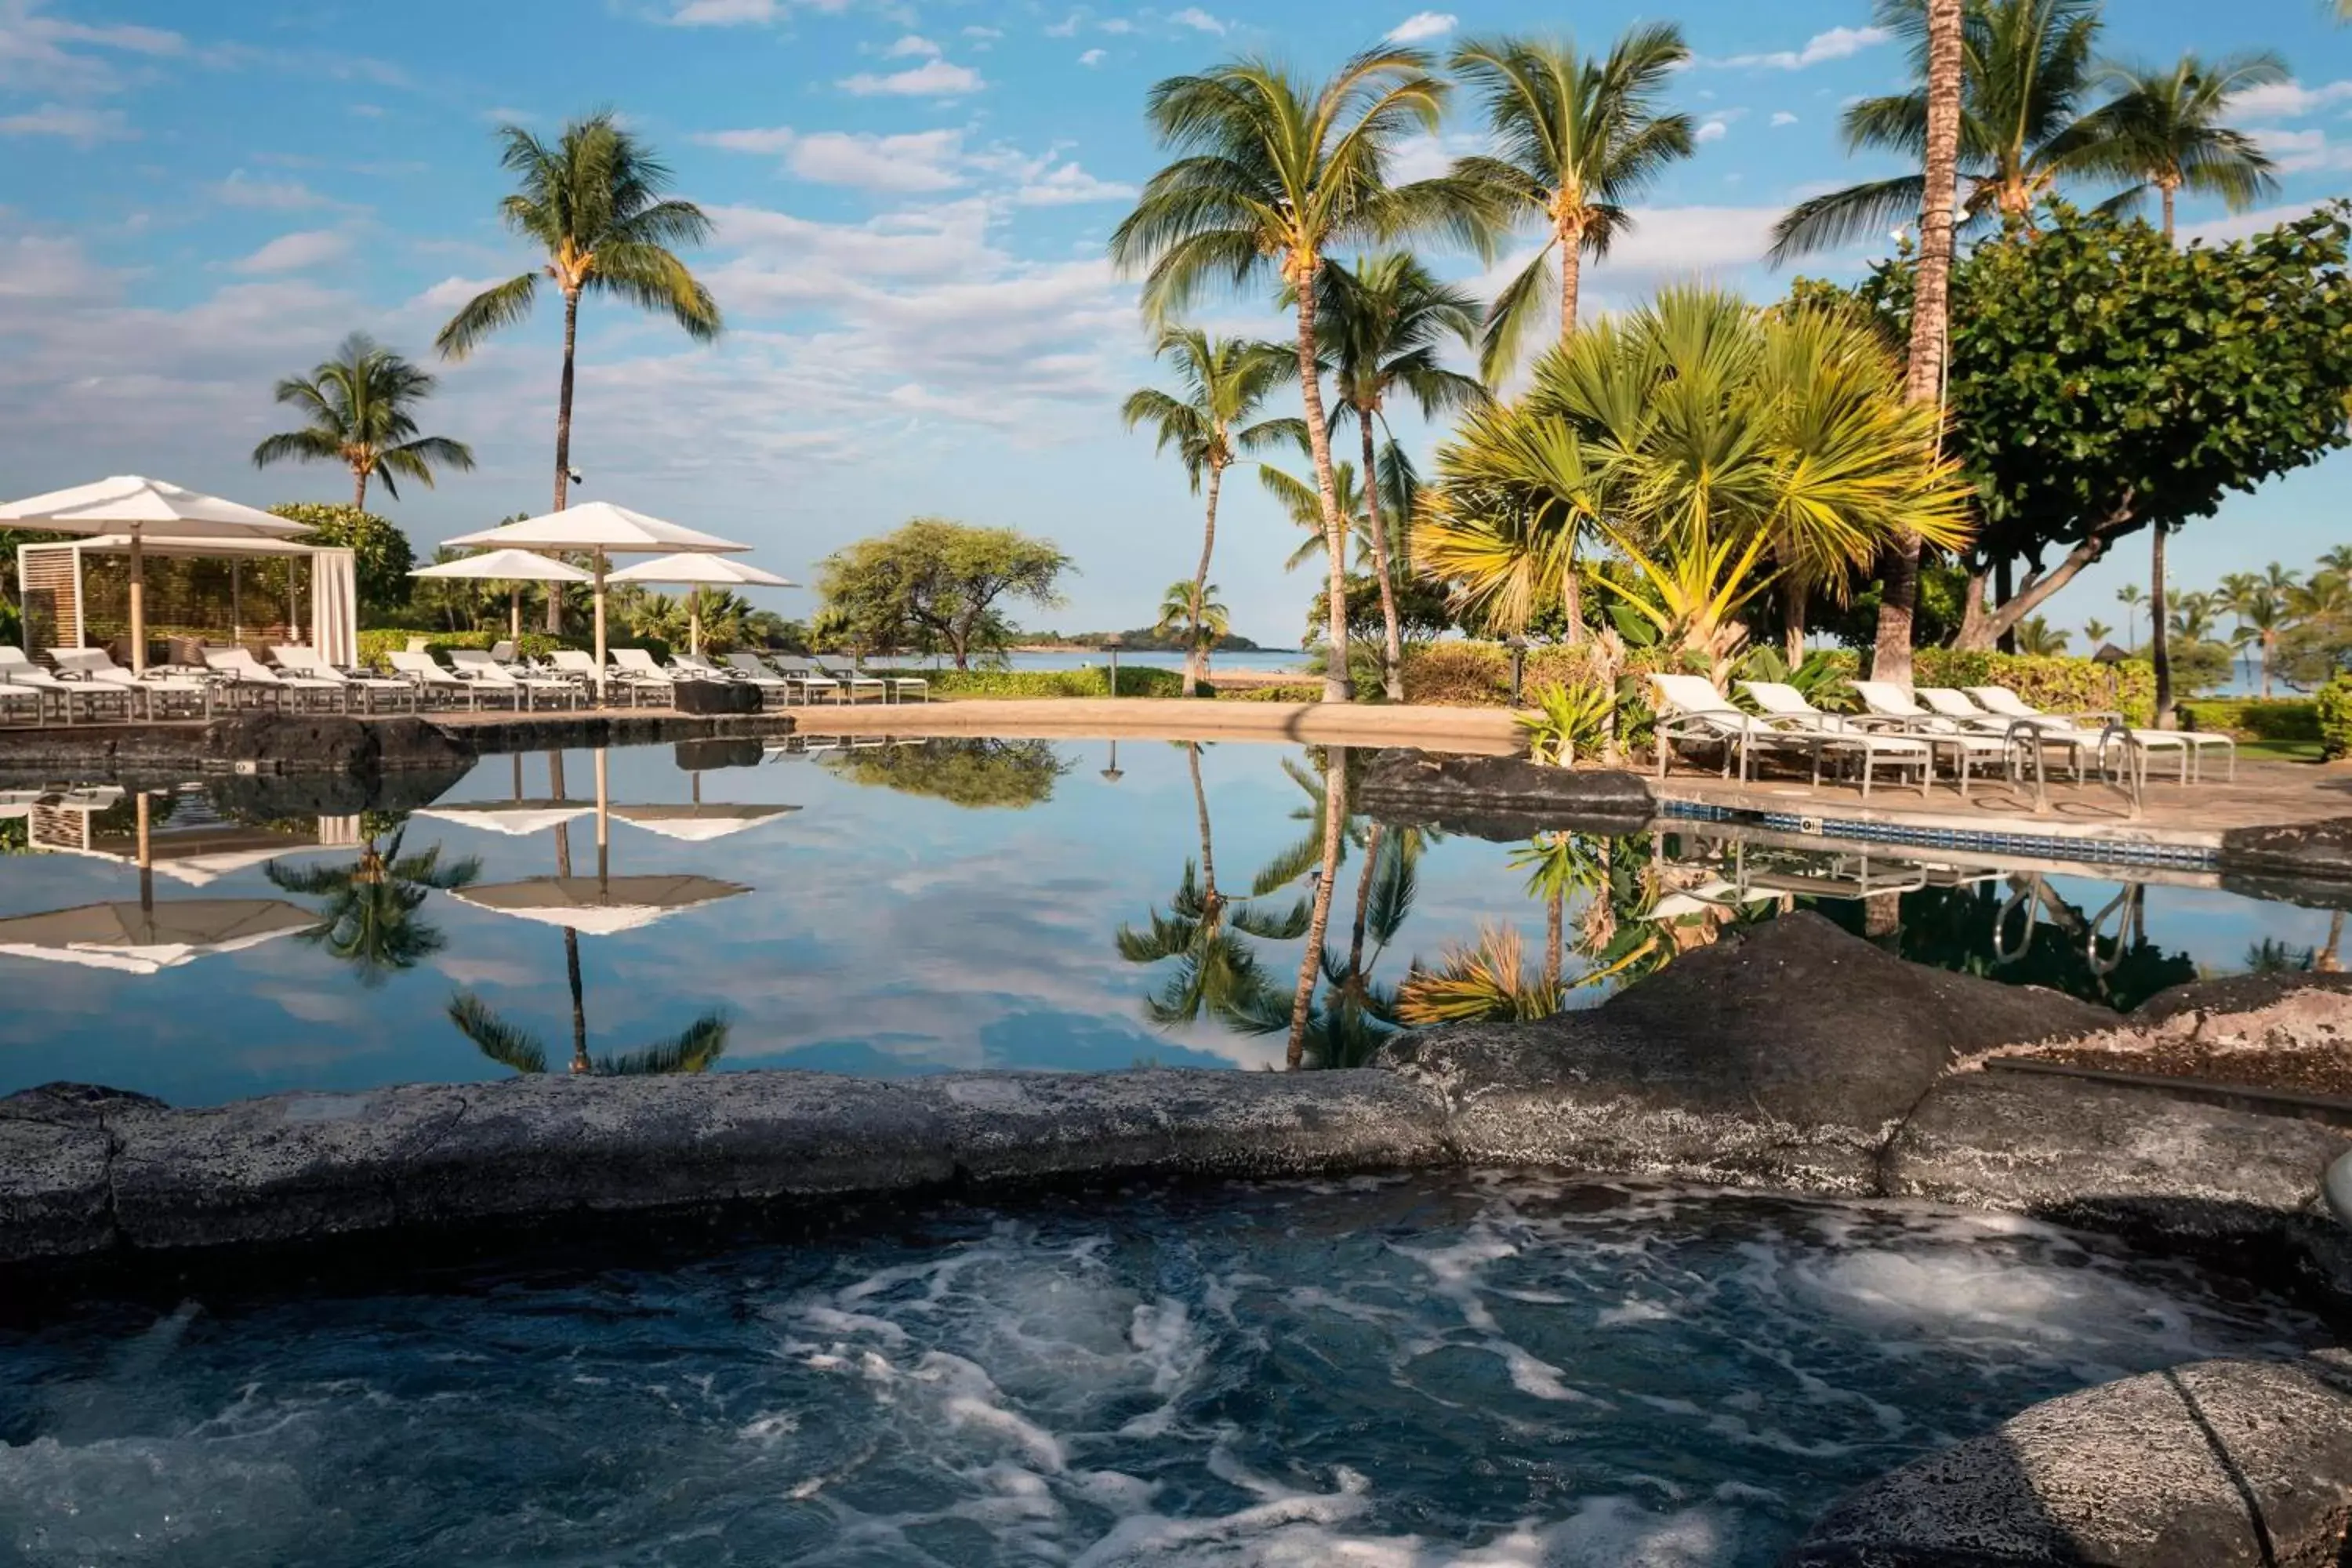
142	940
517	566
603	528
699	823
601	906
138	509
698	571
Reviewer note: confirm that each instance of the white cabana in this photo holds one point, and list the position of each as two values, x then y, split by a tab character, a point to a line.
51	579
601	530
698	573
514	567
141	511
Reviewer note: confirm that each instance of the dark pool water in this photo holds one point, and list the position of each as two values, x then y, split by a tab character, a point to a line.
955	904
1489	1371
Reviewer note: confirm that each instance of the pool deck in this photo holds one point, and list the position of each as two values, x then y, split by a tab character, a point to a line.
1483	731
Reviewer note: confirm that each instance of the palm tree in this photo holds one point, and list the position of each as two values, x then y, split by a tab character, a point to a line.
2336	559
2095	632
1272	177
1190	605
693	1049
2192	617
2037	638
1712	445
594	202
2130	597
361	406
2260	603
1224	380
369	920
2025	68
1381	327
2165	125
1487	980
1217	973
1576	141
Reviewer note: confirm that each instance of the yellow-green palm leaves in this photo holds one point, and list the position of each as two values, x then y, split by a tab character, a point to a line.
1708	445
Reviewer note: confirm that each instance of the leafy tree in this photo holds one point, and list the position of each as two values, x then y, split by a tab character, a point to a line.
594	202
2103	381
2027	66
937	585
380	554
978	774
361	407
369	918
1575	139
1273	176
2165	126
1382	325
1423	610
1224	381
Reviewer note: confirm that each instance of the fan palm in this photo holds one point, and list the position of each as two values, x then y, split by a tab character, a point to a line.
2026	67
594	202
1713	448
1273	176
2165	126
369	917
693	1049
1381	326
1210	425
1576	141
361	407
1216	972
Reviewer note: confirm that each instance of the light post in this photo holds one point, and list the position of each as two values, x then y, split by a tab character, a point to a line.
1112	774
1518	646
1112	643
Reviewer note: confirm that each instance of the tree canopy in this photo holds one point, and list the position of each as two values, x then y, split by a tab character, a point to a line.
2103	381
937	586
381	551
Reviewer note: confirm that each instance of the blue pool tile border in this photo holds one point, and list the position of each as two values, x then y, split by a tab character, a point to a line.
2045	845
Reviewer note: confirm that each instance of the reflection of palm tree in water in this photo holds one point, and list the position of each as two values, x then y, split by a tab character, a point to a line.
1217	973
369	920
693	1050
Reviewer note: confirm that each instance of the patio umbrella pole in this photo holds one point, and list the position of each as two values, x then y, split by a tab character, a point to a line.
235	602
146	855
603	824
138	604
600	658
514	615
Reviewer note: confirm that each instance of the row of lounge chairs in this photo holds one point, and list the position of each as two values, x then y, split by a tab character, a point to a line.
1979	729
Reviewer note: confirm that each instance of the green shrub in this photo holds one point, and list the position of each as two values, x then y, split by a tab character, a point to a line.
2333	706
2286	719
1134	680
1296	691
2053	685
1567	719
375	644
1465	674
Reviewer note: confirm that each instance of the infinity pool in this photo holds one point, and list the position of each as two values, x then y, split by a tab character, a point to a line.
900	908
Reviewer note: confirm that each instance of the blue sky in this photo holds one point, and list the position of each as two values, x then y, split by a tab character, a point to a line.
912	201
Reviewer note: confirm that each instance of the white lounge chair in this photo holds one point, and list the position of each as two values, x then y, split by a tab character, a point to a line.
250	675
1782	700
96	664
18	669
358	684
2001	701
435	683
814	683
747	667
2086	745
476	665
857	684
1692	709
903	688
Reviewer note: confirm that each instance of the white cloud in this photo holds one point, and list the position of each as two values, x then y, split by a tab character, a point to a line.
936	78
912	45
1423	157
1711	130
1091	57
46	54
1068	184
449	293
2243	225
296	251
86	126
2287	100
1422	26
241	190
505	115
2302	152
1837	44
1194	16
725	13
984	35
914	162
1783	117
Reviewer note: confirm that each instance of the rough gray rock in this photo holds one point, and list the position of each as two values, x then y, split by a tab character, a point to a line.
2213	1465
330	744
1502	798
2249	993
715	697
56	1198
2315	850
1785	1056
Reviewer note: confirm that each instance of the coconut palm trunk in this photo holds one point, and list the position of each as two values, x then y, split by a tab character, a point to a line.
359	487
1337	687
1393	648
564	437
1930	318
1196	658
1310	966
1571	273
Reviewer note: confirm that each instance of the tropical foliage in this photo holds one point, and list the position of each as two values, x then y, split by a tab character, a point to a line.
380	554
368	909
936	586
693	1049
2163	127
359	409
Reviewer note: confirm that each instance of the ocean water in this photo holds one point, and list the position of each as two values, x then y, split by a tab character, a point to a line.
1496	1372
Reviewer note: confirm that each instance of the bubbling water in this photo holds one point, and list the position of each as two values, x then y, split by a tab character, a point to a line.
1494	1371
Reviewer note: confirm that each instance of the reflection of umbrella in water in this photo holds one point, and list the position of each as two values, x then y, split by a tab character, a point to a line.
516	818
145	939
699	823
601	906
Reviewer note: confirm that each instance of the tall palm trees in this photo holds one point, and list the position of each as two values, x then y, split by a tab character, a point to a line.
1575	141
1224	380
2025	66
594	202
361	411
1273	174
1381	326
2131	598
369	917
2164	126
